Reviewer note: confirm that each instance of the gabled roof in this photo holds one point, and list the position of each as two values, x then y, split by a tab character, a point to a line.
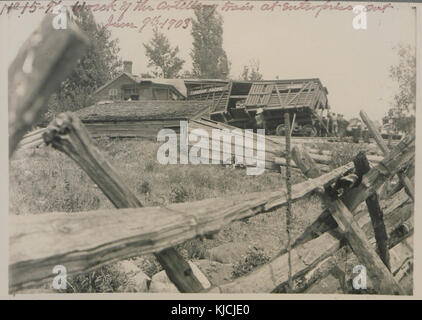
177	84
112	80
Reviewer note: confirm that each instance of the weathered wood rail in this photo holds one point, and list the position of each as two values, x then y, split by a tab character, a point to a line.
42	63
86	240
311	249
305	258
67	134
82	240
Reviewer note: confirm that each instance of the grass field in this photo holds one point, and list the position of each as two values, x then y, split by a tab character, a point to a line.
44	180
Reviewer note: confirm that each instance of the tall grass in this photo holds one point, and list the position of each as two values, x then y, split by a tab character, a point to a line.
44	180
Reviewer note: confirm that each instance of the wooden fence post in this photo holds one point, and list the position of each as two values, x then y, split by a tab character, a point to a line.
46	58
399	157
383	280
67	134
289	197
375	212
381	277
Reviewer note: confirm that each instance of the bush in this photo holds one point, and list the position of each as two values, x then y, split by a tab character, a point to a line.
149	265
253	258
193	249
178	194
145	187
105	279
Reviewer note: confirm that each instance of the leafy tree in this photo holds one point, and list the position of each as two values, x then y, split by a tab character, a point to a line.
146	76
162	57
402	120
99	64
251	72
404	73
208	56
187	75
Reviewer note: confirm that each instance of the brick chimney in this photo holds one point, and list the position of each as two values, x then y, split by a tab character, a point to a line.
127	66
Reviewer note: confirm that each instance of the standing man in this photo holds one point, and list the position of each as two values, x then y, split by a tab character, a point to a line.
334	122
324	128
259	119
318	127
329	123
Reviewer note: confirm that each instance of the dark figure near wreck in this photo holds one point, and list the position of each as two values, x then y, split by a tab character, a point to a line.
324	127
365	134
355	129
259	120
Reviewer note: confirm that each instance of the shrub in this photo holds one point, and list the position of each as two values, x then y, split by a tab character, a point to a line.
193	249
253	258
105	279
145	187
178	194
149	265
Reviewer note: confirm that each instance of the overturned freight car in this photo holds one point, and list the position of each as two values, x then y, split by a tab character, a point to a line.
262	104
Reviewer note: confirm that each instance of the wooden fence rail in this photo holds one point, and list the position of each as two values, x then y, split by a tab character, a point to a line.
84	241
384	148
67	134
305	257
42	63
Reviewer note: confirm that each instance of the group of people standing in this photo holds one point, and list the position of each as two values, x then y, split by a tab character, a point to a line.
332	122
328	125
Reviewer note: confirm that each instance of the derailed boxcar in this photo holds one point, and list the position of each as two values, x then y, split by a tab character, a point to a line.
262	104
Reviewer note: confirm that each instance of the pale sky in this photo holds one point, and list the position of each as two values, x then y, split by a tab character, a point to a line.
352	64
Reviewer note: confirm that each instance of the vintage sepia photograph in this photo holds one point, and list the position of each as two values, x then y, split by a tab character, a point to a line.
190	146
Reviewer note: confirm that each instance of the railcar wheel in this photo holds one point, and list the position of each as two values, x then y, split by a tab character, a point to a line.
309	131
280	130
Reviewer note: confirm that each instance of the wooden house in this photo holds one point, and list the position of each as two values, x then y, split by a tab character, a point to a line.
130	87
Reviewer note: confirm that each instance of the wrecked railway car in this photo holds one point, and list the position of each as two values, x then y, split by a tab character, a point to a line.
262	104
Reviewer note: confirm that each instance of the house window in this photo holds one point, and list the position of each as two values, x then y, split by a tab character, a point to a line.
131	93
113	93
161	94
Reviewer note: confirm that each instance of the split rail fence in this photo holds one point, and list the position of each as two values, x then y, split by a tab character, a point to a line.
84	241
